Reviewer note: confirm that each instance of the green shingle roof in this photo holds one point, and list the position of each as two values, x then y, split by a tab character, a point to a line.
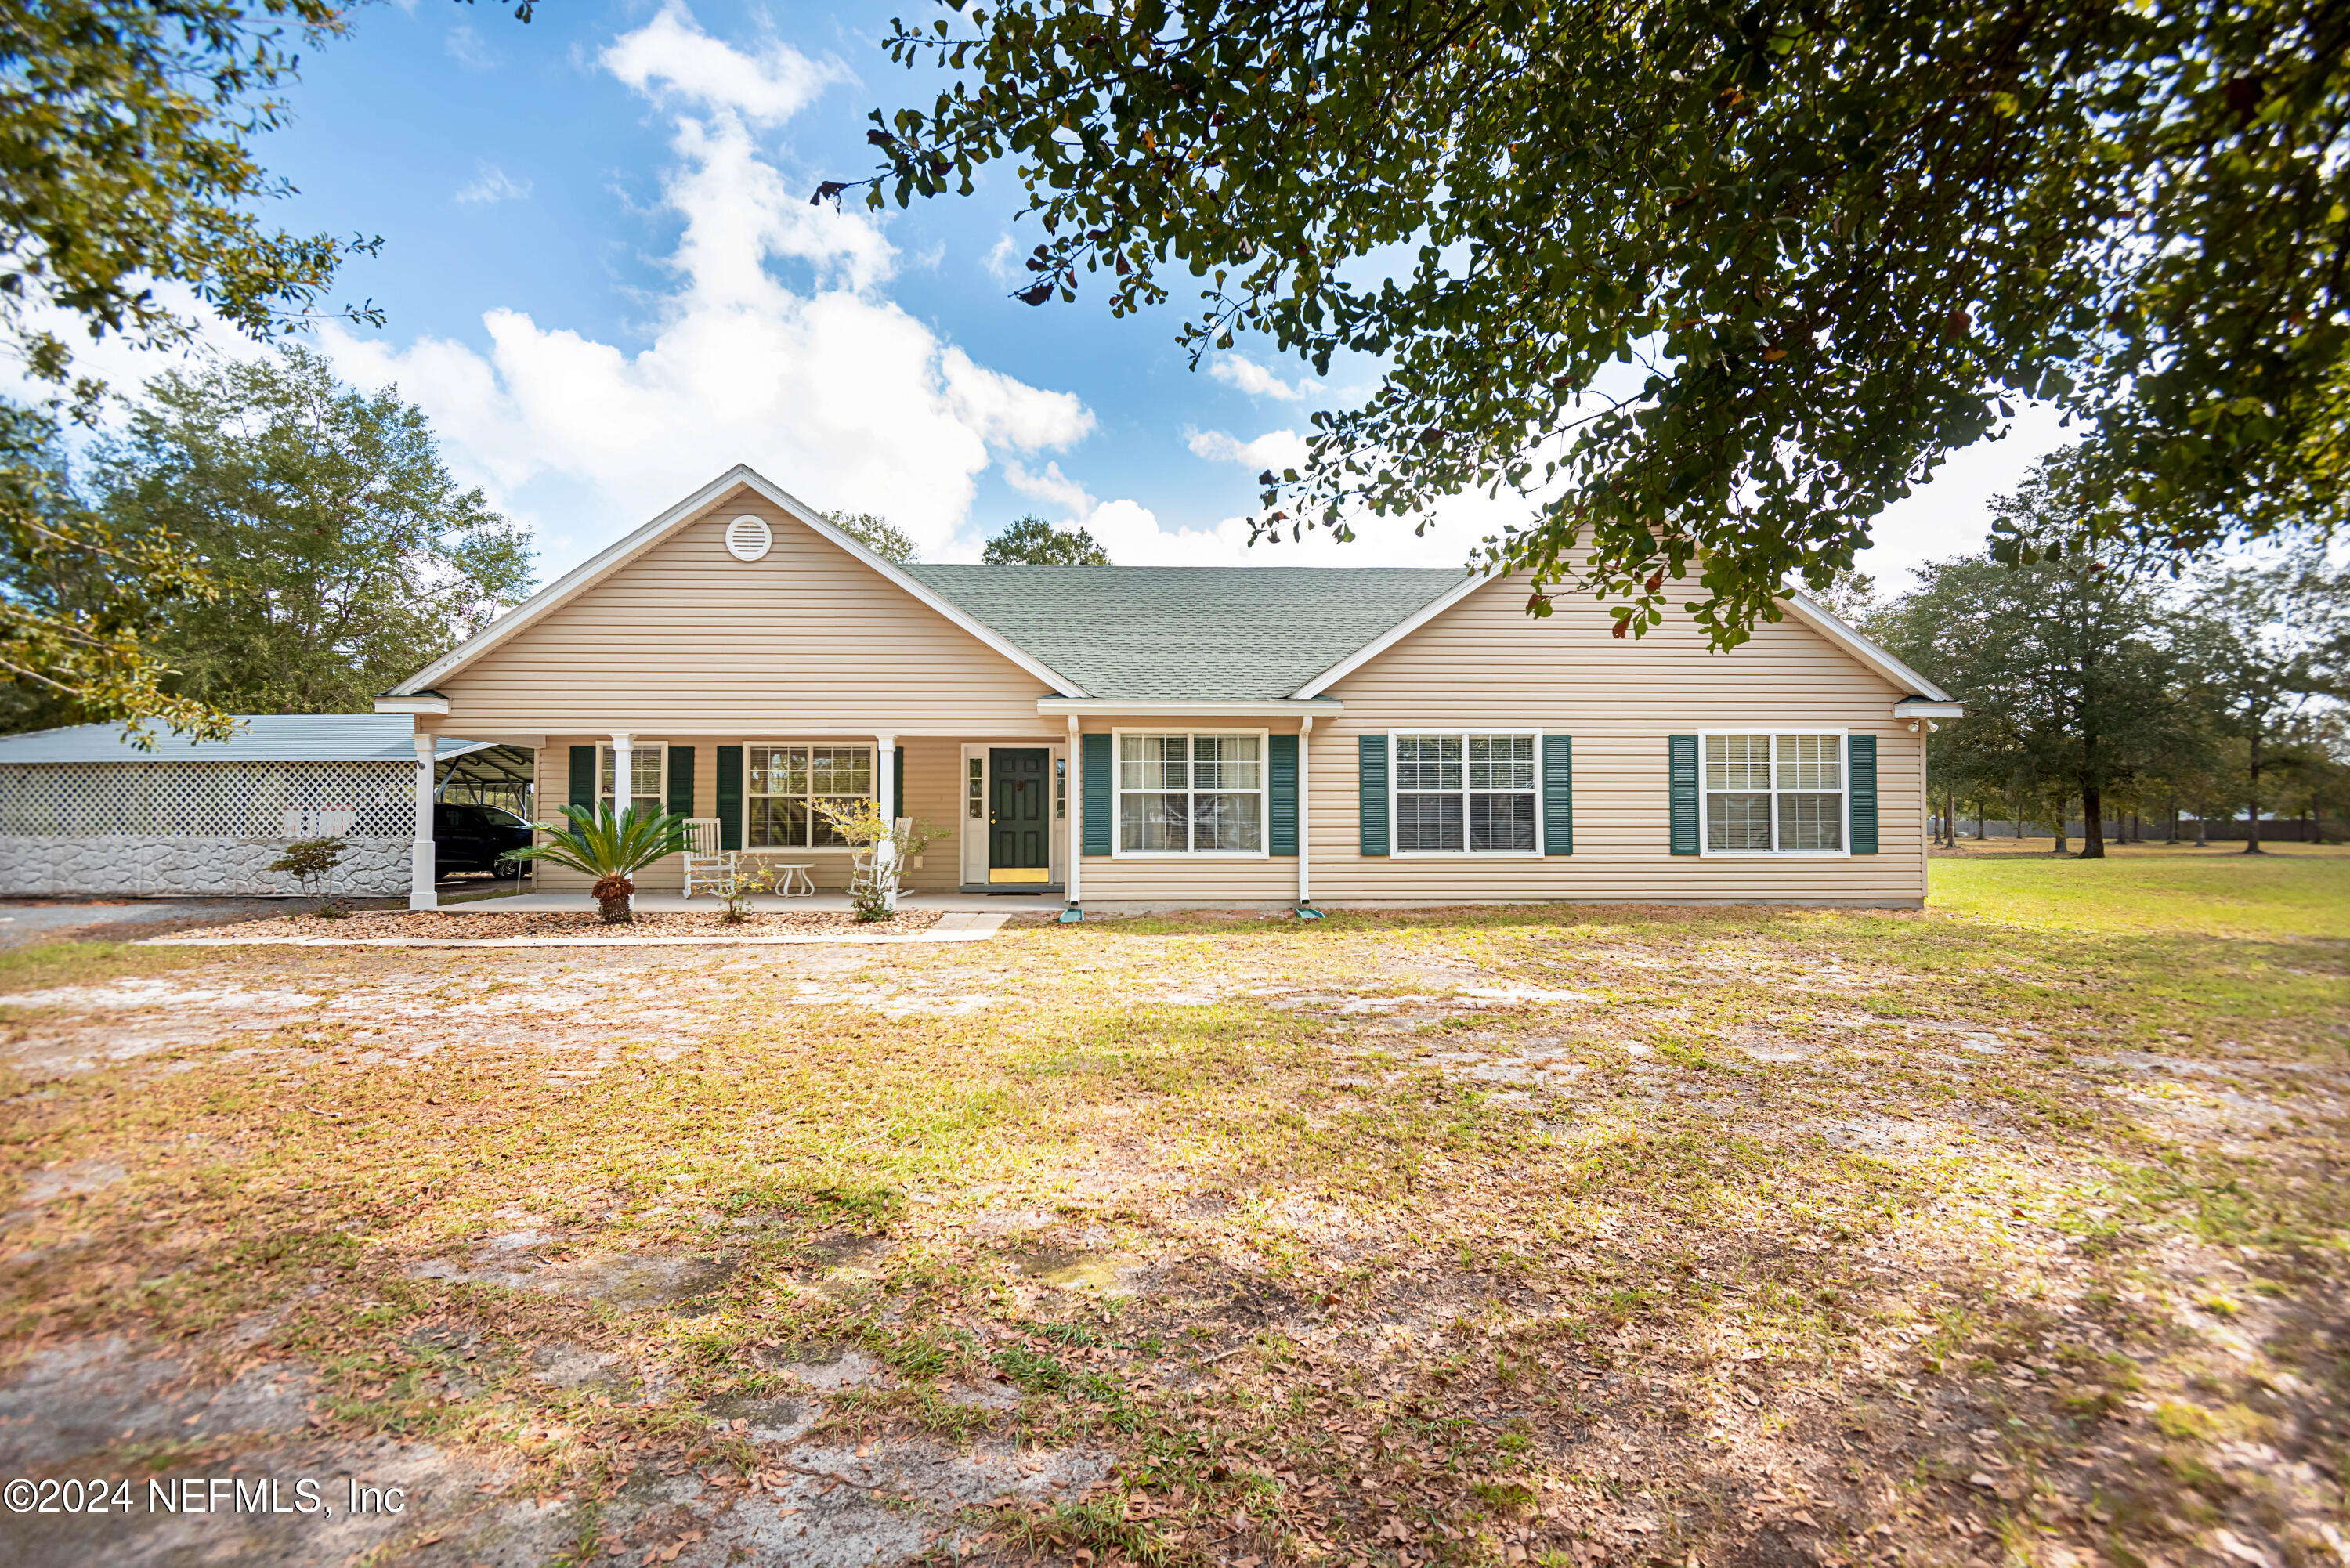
1189	633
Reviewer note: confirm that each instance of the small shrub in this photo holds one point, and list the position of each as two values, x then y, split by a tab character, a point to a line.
312	862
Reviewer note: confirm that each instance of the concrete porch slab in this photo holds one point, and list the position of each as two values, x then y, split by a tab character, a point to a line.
826	903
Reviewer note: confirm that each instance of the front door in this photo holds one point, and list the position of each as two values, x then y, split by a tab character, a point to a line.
1020	814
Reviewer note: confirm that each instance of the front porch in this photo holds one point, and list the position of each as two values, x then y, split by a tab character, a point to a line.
943	902
995	808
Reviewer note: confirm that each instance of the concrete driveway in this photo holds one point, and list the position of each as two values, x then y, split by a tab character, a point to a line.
24	922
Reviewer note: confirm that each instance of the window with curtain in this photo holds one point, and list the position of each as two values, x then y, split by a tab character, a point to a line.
1775	794
783	786
1464	794
1190	794
647	778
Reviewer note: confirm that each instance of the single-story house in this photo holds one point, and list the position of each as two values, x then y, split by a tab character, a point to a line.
84	811
1137	738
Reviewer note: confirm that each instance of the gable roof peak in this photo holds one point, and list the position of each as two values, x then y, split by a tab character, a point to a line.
690	510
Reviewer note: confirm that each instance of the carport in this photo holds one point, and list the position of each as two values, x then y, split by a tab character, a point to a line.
83	811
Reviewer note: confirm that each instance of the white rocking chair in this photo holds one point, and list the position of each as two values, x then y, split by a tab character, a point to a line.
708	867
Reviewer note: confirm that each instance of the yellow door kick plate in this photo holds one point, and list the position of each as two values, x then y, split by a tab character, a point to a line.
1019	874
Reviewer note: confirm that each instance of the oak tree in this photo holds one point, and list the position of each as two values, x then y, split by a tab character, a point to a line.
1709	282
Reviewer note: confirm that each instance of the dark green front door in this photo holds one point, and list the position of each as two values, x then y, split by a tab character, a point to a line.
1020	814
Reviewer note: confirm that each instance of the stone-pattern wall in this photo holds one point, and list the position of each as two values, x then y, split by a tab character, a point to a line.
371	868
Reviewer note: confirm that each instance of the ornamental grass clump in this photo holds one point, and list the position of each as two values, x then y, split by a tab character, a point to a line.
612	849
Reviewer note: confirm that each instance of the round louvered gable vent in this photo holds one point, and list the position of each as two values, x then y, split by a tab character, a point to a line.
747	538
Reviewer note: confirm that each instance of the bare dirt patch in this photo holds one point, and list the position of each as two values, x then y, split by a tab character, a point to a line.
1740	1237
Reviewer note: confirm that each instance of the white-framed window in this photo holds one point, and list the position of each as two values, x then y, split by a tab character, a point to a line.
784	785
647	778
1467	792
1190	794
1772	793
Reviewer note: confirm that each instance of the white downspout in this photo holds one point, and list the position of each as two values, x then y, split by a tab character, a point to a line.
1075	846
422	865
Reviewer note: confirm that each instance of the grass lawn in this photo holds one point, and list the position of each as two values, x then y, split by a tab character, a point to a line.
2288	891
2012	1231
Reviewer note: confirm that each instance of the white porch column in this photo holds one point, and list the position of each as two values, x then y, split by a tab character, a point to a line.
1305	826
624	767
885	791
1073	851
422	868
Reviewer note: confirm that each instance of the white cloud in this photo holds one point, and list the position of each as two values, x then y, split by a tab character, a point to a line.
1003	262
1950	513
1238	371
1134	536
1052	487
464	46
494	184
1276	450
826	386
672	56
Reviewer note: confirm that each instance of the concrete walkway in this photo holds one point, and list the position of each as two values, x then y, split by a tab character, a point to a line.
955	927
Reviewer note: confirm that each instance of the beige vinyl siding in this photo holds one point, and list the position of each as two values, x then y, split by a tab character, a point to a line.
932	793
685	639
1110	881
1486	663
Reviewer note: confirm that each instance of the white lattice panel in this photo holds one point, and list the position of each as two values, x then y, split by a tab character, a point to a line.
210	800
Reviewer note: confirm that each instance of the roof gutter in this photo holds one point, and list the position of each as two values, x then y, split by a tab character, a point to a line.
426	701
1274	708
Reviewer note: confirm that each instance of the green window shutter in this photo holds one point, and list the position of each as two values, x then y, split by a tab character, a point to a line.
730	797
1099	828
1682	778
1371	794
1558	794
681	780
898	782
1860	764
1281	806
583	777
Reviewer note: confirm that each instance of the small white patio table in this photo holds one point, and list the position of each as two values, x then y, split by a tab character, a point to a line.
792	876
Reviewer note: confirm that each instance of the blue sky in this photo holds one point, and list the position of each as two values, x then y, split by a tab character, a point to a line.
605	283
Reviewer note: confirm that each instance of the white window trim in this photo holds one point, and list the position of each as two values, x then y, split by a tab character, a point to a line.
1117	795
1395	817
604	760
851	742
1844	796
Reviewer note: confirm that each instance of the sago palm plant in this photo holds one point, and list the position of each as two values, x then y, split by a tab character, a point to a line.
611	849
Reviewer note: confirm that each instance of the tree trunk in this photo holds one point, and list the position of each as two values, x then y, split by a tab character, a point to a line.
2174	823
2252	816
2092	823
2202	827
2059	825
